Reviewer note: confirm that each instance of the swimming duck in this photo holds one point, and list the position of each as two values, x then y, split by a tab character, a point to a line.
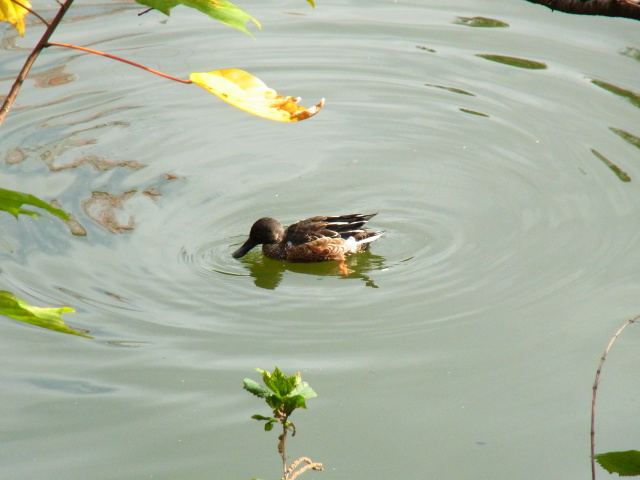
316	239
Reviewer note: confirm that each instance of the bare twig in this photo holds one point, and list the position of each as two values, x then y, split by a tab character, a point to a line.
120	59
15	88
595	389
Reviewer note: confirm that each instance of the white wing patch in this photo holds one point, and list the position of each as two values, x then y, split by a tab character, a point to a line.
352	245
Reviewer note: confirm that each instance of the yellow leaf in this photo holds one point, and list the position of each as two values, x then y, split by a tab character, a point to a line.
250	94
14	13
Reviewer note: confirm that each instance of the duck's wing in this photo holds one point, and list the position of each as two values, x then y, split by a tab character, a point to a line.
343	226
349	225
308	230
319	250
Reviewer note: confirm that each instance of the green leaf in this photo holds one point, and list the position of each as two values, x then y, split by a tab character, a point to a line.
305	390
270	379
625	464
163	6
313	5
221	10
255	388
268	426
289	404
50	318
11	201
275	402
279	383
262	417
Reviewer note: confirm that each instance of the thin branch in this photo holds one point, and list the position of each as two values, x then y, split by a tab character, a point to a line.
33	12
595	389
15	88
120	59
282	446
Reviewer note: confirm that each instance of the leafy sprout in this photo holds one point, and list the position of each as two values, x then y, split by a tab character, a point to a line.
283	395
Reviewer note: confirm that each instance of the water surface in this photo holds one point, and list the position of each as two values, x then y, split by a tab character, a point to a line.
497	141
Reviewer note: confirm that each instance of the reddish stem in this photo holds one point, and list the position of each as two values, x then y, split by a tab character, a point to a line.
120	59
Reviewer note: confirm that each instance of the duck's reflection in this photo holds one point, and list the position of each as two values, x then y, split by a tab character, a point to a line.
268	273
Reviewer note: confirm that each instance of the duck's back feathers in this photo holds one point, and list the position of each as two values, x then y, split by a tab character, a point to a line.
313	228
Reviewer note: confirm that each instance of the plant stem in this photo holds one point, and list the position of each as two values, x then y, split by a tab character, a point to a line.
42	43
595	389
120	59
282	448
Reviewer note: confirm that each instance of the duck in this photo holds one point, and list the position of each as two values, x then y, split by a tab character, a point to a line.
315	239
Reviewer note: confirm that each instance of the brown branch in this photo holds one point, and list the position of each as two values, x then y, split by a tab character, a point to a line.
120	59
595	389
15	88
608	8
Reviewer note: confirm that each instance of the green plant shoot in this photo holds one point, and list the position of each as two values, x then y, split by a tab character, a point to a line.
283	395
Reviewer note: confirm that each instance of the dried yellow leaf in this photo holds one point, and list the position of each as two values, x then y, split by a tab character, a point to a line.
249	93
14	13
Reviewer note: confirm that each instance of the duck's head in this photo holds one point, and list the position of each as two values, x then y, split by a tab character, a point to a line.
264	231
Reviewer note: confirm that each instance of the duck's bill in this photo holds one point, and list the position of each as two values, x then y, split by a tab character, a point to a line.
244	249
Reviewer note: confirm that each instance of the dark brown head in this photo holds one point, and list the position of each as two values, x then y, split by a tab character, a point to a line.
264	231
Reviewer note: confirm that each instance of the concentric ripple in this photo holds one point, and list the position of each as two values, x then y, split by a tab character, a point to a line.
500	208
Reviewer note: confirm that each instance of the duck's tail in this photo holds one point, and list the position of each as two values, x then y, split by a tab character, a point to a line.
362	241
